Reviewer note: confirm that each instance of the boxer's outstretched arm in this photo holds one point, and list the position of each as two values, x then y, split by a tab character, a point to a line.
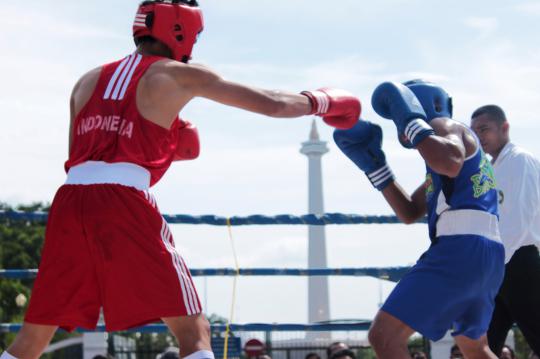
338	108
272	103
205	83
409	209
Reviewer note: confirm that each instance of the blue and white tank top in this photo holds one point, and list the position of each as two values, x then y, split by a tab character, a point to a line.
473	188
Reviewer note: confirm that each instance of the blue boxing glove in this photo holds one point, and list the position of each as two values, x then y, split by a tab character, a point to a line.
363	145
397	102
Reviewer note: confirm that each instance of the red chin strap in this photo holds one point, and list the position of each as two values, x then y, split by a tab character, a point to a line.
175	24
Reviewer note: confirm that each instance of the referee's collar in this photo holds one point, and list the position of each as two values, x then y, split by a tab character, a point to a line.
504	152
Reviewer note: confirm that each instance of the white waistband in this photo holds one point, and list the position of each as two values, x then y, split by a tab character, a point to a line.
97	172
468	221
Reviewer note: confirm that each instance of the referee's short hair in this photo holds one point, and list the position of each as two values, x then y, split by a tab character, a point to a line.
494	112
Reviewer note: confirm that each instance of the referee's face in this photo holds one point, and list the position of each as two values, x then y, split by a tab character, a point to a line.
492	136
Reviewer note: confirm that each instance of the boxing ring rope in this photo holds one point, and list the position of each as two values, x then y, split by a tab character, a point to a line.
387	273
360	325
257	219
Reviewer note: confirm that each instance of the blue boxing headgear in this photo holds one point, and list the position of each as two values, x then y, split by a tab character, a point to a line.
435	101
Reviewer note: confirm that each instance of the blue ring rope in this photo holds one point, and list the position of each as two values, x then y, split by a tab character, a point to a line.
361	325
390	273
256	219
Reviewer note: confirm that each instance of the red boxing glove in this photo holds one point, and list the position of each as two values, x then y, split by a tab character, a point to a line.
188	146
338	108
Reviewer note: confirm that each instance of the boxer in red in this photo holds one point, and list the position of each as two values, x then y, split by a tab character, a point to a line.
107	245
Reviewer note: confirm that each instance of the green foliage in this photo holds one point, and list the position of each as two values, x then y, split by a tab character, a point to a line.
21	241
20	248
522	348
152	343
419	344
366	353
216	319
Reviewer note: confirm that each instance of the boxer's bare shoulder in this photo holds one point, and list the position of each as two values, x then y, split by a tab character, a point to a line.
83	89
189	78
165	88
449	128
80	95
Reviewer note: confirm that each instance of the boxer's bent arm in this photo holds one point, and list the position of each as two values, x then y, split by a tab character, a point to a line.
207	84
408	208
444	152
445	155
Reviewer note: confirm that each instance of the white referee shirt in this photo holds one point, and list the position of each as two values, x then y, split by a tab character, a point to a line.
517	174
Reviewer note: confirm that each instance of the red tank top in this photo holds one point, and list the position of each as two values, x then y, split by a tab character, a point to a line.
109	127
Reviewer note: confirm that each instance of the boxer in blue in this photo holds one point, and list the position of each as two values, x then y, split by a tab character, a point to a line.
453	284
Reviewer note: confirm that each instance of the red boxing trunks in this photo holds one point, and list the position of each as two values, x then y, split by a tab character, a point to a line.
107	245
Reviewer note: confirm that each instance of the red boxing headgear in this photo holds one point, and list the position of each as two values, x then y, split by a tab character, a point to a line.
176	23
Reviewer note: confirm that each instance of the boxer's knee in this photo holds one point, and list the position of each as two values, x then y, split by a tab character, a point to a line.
388	334
31	341
192	333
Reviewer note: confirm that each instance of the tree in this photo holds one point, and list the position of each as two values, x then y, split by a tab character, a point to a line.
20	248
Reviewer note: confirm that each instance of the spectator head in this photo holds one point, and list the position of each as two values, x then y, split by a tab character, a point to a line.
334	347
507	353
312	356
455	352
418	355
533	355
343	354
169	353
490	125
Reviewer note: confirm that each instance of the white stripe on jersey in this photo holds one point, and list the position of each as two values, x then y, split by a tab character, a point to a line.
120	82
126	83
153	200
114	77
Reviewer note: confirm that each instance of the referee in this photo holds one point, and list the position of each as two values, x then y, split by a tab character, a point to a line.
517	174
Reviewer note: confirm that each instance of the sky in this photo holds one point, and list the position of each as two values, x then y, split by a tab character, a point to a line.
481	52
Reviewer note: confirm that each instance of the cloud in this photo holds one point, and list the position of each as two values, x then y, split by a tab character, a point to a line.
497	70
49	25
485	25
306	9
348	72
352	72
529	8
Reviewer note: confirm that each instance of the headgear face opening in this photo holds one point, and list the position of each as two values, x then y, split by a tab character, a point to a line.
176	23
435	101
